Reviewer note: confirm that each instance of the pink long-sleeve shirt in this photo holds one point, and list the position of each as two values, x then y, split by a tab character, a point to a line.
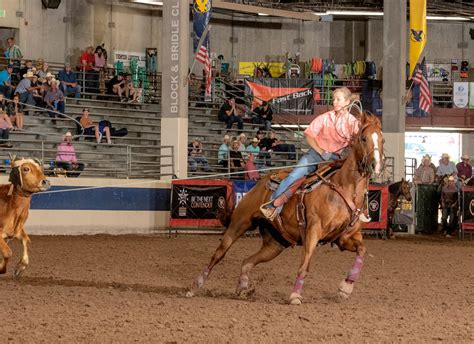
66	152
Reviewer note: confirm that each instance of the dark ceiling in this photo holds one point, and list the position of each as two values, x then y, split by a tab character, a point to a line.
463	8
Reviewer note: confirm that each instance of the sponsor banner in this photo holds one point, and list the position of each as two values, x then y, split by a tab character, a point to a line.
471	95
467	208
378	205
126	56
241	187
248	68
198	203
460	94
284	95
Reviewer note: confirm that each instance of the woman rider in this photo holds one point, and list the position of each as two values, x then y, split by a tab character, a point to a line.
328	134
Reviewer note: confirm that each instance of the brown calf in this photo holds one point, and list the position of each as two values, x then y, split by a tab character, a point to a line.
26	179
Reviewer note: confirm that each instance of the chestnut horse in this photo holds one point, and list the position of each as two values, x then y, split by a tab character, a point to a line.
327	216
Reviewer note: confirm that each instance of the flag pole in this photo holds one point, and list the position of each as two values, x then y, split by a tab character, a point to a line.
201	40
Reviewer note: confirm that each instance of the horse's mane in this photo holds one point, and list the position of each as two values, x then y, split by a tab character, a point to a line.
394	187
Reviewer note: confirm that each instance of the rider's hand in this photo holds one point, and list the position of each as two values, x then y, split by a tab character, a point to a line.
326	155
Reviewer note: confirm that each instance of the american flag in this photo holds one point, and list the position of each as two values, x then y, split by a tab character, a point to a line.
203	57
421	79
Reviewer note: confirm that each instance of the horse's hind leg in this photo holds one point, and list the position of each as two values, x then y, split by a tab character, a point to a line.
236	229
353	244
270	249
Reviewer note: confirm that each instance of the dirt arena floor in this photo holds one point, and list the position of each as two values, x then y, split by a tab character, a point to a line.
104	289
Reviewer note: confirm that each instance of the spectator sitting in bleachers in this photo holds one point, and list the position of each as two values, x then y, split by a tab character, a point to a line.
279	146
43	73
134	92
265	148
228	114
54	100
254	149
237	162
196	156
3	102
39	92
28	66
223	152
66	157
15	112
25	89
5	126
424	174
68	81
116	85
95	129
464	168
6	86
264	116
243	145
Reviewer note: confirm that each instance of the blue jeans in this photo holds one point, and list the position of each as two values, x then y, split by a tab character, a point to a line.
60	108
301	170
194	161
68	90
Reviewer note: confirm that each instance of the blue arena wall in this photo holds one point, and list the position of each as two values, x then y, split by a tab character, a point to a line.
76	206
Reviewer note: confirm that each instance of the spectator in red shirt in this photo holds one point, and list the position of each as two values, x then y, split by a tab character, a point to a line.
464	168
87	65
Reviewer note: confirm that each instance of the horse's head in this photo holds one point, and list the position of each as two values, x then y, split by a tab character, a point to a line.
405	189
368	145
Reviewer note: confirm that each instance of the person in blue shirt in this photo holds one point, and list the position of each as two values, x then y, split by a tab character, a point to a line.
6	86
68	81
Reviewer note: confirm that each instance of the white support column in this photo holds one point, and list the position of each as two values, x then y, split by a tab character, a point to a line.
174	91
394	62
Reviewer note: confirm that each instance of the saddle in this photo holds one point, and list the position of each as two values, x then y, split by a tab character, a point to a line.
301	187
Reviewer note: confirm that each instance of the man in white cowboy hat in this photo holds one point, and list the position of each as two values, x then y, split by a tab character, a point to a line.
446	167
66	157
425	173
25	89
464	167
54	99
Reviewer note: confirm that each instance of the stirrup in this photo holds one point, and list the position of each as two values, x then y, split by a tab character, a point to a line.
269	213
364	218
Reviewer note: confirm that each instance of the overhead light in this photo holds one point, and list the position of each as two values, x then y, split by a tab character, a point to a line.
263	14
446	18
149	2
355	13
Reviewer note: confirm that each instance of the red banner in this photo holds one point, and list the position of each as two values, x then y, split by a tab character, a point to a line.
378	207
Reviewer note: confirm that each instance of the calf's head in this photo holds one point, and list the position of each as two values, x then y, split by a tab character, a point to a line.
28	176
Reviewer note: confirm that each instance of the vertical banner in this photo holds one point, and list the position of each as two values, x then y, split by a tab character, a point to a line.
378	206
202	10
471	95
461	94
417	31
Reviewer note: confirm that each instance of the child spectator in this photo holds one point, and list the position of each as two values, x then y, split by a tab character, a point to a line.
15	112
43	73
236	159
196	156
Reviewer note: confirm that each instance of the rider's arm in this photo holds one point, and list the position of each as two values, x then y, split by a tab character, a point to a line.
312	142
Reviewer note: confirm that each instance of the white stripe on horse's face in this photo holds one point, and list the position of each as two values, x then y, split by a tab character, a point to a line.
378	165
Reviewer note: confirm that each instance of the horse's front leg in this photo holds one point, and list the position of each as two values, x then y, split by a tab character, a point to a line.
24	261
353	244
309	247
